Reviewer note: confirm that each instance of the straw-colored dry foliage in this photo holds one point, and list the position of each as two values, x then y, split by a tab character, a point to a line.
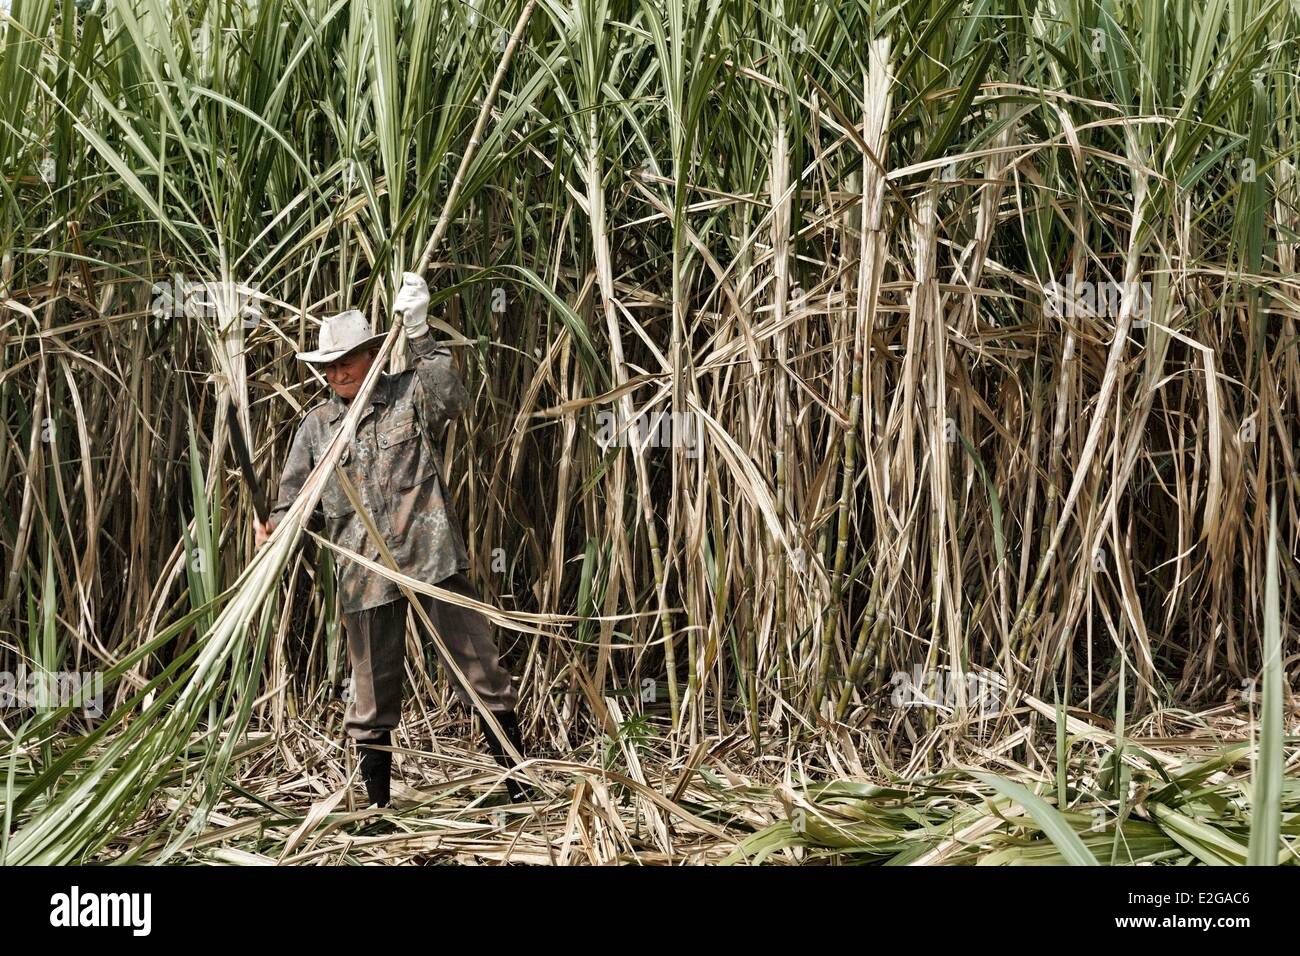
971	533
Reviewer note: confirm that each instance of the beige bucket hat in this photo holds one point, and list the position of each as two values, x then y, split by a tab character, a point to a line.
339	335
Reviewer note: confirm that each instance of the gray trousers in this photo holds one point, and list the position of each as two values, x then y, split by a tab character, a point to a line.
377	650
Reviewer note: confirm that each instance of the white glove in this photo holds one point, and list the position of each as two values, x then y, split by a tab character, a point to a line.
413	302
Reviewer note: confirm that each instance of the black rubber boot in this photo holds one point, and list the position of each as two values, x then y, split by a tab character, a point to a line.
509	722
376	770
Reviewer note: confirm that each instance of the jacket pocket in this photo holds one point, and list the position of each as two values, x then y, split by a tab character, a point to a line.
405	457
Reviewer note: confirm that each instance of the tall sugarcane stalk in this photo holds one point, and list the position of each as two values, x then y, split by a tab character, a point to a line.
876	102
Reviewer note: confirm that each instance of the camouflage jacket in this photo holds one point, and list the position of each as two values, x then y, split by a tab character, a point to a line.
392	461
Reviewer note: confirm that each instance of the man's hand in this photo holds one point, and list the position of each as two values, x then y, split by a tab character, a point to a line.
413	302
262	532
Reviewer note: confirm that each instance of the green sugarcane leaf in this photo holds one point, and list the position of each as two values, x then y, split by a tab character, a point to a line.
1048	818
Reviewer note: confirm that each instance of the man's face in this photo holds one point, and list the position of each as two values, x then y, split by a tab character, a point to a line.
346	374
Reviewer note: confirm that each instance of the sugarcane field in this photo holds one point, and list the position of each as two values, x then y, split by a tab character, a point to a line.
685	433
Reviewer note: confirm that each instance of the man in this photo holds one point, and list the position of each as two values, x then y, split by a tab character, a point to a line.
392	462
